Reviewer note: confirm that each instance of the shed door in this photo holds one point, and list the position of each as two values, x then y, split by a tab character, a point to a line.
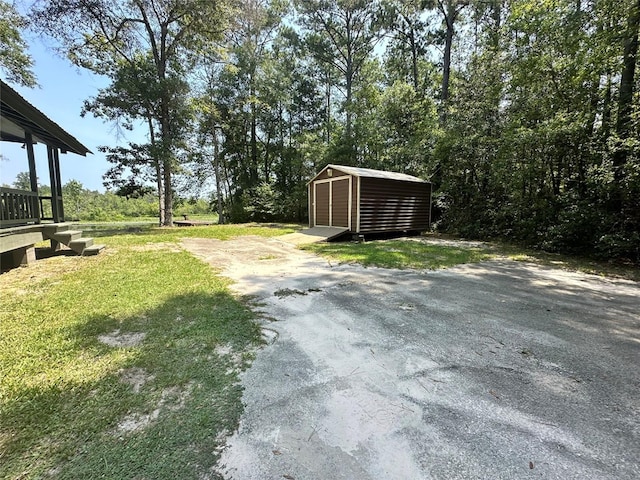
322	203
332	202
340	203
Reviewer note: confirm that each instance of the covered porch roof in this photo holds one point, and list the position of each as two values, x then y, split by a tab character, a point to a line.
23	123
18	117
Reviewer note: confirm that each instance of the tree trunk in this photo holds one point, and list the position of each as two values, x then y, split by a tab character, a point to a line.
267	160
158	168
168	194
625	102
449	13
414	57
161	215
446	72
167	167
606	108
254	177
496	14
216	167
328	96
349	115
166	136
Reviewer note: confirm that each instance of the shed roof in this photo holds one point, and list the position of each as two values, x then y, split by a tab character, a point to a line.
371	173
17	116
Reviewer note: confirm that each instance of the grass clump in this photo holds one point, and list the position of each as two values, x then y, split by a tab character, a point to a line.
68	405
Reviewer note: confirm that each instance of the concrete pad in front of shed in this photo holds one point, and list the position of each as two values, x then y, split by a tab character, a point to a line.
313	235
496	370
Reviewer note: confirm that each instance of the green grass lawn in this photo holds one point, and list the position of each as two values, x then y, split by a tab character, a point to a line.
128	235
400	254
74	407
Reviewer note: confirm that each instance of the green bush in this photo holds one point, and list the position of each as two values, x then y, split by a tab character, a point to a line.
619	245
261	204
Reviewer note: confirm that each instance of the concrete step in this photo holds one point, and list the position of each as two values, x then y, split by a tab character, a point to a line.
62	233
66	236
53	228
92	250
79	245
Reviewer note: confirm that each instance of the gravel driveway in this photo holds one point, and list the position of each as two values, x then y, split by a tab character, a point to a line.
497	370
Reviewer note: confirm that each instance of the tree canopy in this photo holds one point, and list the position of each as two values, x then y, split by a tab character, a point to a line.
147	48
525	114
15	60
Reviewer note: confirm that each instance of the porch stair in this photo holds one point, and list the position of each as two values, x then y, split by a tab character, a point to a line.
62	233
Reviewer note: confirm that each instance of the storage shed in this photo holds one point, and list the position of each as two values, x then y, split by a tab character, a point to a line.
362	200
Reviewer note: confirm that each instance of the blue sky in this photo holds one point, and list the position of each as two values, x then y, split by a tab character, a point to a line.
63	89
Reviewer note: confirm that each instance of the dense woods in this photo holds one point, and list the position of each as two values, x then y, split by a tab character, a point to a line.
525	114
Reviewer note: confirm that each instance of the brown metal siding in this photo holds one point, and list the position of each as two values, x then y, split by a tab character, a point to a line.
340	203
391	205
322	203
354	204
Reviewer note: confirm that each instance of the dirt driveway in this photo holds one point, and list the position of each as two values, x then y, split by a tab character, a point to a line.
498	370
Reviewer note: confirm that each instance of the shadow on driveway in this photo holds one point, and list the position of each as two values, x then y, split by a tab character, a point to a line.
496	370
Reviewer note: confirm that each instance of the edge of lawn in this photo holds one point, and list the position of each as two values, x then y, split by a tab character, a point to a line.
426	253
157	403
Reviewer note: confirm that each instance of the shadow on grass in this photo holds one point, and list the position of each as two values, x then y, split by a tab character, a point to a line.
81	419
115	230
46	252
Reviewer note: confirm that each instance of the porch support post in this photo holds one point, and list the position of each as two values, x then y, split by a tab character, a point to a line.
56	161
53	177
24	256
28	139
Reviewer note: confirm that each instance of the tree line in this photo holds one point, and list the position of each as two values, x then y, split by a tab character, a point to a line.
525	114
85	205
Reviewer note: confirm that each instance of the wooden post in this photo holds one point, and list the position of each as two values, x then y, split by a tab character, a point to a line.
23	256
28	140
53	177
56	161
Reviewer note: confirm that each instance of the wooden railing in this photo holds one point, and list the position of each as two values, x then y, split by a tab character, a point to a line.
50	208
18	207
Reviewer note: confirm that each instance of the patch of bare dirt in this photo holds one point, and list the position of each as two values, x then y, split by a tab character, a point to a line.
172	399
136	377
250	250
250	260
235	358
137	421
117	339
28	279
